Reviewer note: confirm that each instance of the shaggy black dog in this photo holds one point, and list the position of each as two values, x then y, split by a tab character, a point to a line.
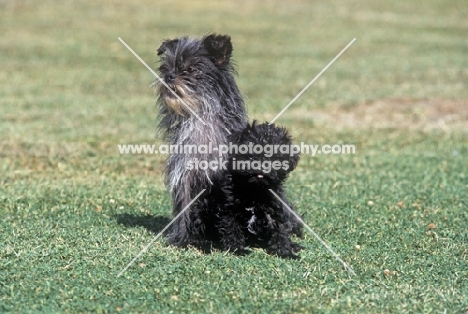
240	209
199	104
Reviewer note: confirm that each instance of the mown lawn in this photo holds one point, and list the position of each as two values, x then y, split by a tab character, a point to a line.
74	212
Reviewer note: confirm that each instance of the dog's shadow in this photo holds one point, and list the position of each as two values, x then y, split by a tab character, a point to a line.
154	224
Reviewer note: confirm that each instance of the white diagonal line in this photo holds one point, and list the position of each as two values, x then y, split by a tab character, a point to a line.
160	233
161	80
312	82
315	235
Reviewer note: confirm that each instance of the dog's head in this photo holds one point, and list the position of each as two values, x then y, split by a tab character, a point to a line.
264	155
194	69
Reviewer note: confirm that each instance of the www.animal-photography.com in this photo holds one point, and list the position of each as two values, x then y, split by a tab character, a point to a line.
234	156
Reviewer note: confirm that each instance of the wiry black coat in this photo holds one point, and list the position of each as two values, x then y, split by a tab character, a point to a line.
201	73
240	210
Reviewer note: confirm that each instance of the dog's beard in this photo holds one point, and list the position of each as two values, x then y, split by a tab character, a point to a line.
179	104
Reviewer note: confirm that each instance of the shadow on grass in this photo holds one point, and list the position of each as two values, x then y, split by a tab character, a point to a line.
151	223
155	224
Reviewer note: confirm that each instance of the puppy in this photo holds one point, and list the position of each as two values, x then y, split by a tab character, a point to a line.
241	210
263	219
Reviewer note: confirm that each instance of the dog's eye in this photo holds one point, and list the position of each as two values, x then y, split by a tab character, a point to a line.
190	70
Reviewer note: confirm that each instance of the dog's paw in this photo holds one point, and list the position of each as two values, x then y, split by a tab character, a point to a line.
293	256
232	241
289	255
297	231
284	252
296	247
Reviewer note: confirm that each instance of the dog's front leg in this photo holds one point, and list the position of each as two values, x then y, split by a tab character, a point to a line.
231	234
279	242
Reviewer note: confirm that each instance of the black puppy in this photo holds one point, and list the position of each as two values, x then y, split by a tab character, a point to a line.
264	220
240	209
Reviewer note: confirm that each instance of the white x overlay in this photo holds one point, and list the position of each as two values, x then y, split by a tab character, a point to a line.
312	82
314	234
160	233
276	195
162	81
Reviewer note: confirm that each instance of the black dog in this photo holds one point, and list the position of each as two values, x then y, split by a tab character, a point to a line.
209	108
240	209
265	221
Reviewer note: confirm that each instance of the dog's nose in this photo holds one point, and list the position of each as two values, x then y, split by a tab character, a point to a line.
169	77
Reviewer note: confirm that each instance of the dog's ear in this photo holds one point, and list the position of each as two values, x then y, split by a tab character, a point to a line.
219	48
293	161
237	137
167	45
287	140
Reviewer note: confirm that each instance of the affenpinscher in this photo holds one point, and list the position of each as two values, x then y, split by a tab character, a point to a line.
241	210
200	72
265	221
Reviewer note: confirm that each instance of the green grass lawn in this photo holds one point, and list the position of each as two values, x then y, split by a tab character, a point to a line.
74	212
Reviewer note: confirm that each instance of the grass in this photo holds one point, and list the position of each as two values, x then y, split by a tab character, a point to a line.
74	212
